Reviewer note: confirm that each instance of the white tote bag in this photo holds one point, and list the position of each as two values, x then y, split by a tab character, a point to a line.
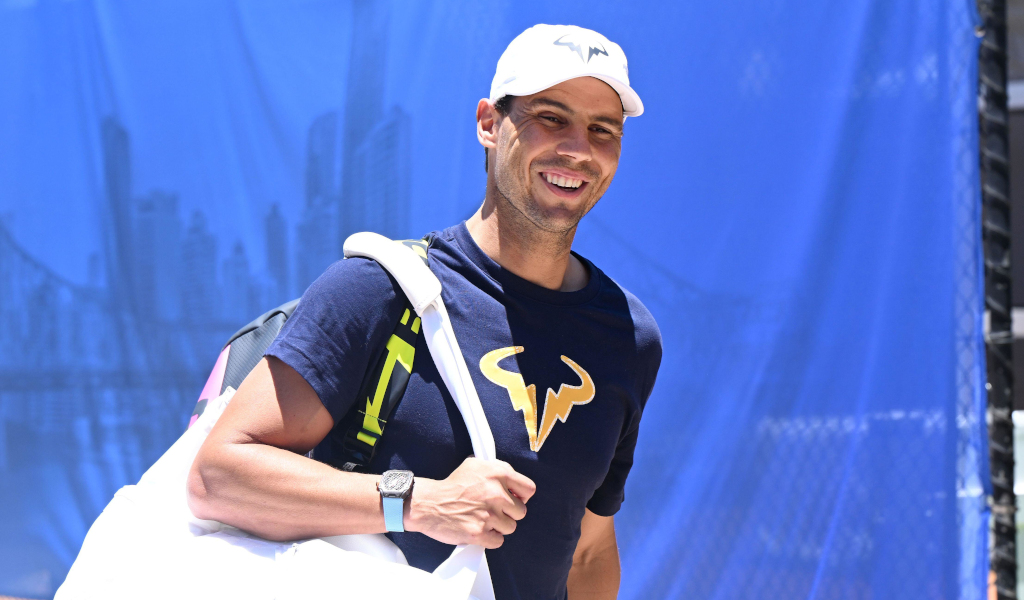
147	544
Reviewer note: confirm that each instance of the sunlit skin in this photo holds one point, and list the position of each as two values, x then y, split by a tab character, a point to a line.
573	130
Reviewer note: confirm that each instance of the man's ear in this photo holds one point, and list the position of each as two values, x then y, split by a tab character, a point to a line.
486	123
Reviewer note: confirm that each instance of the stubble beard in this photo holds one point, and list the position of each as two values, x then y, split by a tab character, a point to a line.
523	216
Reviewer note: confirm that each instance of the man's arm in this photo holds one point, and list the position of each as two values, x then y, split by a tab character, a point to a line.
251	473
595	564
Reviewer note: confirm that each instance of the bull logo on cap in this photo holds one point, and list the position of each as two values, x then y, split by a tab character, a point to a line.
524	397
578	48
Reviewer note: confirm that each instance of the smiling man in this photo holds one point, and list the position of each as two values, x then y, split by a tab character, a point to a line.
562	357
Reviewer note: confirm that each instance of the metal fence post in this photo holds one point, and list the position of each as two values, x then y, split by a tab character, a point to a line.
993	119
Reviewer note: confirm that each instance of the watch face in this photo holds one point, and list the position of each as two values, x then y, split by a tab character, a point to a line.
396	482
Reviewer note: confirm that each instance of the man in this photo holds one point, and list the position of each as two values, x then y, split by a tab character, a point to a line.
530	315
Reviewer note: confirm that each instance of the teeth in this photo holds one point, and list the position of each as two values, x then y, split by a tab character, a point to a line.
563	181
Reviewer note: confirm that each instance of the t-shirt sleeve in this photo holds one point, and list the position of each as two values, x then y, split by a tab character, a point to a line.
608	497
341	324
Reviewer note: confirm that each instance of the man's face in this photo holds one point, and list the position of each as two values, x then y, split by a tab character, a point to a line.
558	150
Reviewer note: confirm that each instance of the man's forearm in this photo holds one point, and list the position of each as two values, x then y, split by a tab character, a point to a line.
595	576
280	495
251	473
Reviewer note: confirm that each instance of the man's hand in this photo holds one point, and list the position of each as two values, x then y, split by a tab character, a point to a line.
479	503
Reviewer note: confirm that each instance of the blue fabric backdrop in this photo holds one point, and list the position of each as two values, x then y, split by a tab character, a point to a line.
798	207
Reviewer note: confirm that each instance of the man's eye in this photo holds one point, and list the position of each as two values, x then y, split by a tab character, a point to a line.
550	118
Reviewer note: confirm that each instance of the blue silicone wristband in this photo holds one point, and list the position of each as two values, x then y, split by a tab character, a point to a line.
393	514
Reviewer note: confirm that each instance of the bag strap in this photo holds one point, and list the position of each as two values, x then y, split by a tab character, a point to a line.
384	384
467	567
423	290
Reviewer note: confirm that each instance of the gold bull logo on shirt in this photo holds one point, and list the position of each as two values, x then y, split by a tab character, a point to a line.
524	397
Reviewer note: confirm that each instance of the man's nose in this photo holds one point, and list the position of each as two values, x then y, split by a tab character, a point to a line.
575	144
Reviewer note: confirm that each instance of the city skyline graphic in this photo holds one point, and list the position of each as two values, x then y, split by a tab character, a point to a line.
97	379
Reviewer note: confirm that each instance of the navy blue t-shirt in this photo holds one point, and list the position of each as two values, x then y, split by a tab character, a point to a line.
563	378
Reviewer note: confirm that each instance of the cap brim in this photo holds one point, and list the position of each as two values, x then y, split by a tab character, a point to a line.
632	106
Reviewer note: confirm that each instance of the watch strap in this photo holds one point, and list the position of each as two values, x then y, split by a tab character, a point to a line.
393	513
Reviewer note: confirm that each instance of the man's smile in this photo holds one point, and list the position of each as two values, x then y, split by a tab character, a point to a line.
564	184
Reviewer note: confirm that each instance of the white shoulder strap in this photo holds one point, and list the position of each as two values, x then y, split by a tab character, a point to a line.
423	289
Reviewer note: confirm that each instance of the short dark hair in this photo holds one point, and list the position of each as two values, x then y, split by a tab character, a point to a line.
503	106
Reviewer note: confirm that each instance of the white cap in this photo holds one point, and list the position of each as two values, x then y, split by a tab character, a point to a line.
546	55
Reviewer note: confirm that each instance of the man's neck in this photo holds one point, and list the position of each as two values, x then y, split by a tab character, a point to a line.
519	246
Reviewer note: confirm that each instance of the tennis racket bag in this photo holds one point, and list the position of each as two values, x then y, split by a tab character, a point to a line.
147	543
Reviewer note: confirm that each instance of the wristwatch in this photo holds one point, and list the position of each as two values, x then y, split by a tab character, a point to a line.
394	488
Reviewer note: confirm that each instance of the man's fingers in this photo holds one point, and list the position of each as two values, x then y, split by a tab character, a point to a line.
522	486
490	540
516	508
502	523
